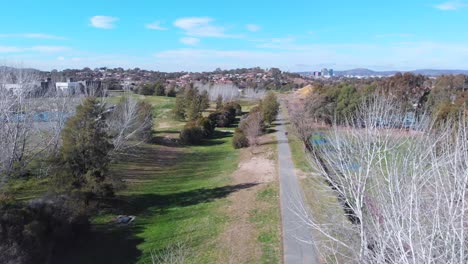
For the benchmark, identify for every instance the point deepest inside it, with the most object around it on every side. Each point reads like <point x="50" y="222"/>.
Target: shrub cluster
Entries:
<point x="157" y="89"/>
<point x="203" y="127"/>
<point x="30" y="232"/>
<point x="191" y="134"/>
<point x="225" y="116"/>
<point x="190" y="104"/>
<point x="250" y="127"/>
<point x="239" y="140"/>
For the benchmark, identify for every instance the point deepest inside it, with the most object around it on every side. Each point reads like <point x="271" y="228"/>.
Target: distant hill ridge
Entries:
<point x="367" y="72"/>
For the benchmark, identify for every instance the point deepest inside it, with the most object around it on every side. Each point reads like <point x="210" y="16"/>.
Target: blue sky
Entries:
<point x="203" y="35"/>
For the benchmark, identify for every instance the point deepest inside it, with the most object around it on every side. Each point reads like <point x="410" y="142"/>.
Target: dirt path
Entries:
<point x="240" y="238"/>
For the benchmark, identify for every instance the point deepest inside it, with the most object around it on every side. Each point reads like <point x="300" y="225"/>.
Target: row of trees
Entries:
<point x="158" y="89"/>
<point x="203" y="127"/>
<point x="190" y="104"/>
<point x="443" y="98"/>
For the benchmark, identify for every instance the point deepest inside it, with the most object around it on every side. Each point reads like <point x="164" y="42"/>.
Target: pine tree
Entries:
<point x="84" y="155"/>
<point x="205" y="100"/>
<point x="219" y="102"/>
<point x="179" y="107"/>
<point x="270" y="107"/>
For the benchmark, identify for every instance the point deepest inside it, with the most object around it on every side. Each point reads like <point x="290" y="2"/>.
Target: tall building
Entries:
<point x="324" y="72"/>
<point x="330" y="72"/>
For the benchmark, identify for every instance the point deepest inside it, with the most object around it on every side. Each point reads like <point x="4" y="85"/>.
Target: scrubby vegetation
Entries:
<point x="444" y="98"/>
<point x="254" y="123"/>
<point x="239" y="140"/>
<point x="31" y="232"/>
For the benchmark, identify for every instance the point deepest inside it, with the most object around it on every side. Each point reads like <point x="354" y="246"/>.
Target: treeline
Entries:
<point x="190" y="105"/>
<point x="444" y="97"/>
<point x="255" y="122"/>
<point x="157" y="88"/>
<point x="79" y="178"/>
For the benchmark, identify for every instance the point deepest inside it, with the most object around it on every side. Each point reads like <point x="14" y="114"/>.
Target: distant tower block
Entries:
<point x="325" y="72"/>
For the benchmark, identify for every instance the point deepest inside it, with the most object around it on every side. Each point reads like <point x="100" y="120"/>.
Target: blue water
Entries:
<point x="318" y="139"/>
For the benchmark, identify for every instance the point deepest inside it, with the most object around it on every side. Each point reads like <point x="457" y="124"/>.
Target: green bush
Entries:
<point x="235" y="106"/>
<point x="191" y="134"/>
<point x="146" y="89"/>
<point x="206" y="125"/>
<point x="270" y="107"/>
<point x="226" y="116"/>
<point x="30" y="232"/>
<point x="171" y="92"/>
<point x="159" y="89"/>
<point x="239" y="140"/>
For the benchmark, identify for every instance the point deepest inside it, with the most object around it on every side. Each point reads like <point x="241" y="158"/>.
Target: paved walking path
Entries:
<point x="294" y="230"/>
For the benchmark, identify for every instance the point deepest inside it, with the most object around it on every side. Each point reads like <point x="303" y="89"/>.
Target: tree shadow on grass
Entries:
<point x="216" y="138"/>
<point x="166" y="141"/>
<point x="166" y="132"/>
<point x="107" y="243"/>
<point x="104" y="244"/>
<point x="140" y="203"/>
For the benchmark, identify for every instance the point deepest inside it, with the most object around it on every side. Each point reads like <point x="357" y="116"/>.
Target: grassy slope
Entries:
<point x="175" y="194"/>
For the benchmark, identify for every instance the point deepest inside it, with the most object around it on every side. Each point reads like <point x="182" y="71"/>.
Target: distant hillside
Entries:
<point x="364" y="72"/>
<point x="367" y="72"/>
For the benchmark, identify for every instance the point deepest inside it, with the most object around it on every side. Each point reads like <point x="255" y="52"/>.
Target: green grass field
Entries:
<point x="177" y="194"/>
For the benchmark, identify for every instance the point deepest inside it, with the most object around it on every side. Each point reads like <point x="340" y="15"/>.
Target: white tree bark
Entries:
<point x="405" y="191"/>
<point x="30" y="122"/>
<point x="128" y="126"/>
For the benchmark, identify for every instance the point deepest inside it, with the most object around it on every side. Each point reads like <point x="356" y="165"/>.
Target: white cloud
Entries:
<point x="155" y="26"/>
<point x="60" y="58"/>
<point x="253" y="27"/>
<point x="394" y="56"/>
<point x="202" y="27"/>
<point x="106" y="22"/>
<point x="190" y="41"/>
<point x="49" y="49"/>
<point x="31" y="35"/>
<point x="450" y="6"/>
<point x="9" y="49"/>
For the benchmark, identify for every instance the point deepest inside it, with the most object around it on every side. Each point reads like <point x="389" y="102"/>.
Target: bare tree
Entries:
<point x="130" y="123"/>
<point x="302" y="121"/>
<point x="229" y="92"/>
<point x="16" y="121"/>
<point x="404" y="192"/>
<point x="252" y="127"/>
<point x="30" y="121"/>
